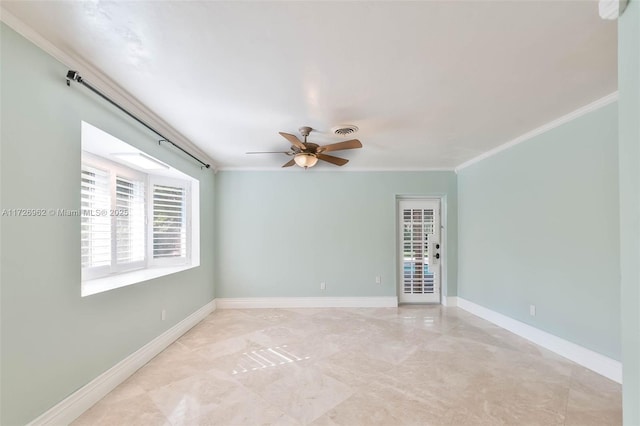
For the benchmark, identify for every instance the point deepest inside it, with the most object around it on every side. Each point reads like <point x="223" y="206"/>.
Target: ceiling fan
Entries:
<point x="306" y="154"/>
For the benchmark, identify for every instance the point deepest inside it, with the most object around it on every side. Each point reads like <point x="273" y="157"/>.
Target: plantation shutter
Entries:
<point x="129" y="221"/>
<point x="95" y="233"/>
<point x="418" y="224"/>
<point x="169" y="222"/>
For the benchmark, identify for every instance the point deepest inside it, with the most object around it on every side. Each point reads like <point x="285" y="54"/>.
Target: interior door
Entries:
<point x="419" y="251"/>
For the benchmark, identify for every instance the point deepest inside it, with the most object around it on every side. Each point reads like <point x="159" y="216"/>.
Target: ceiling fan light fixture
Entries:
<point x="306" y="154"/>
<point x="305" y="159"/>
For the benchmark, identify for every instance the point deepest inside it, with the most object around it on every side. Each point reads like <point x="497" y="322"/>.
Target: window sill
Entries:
<point x="100" y="285"/>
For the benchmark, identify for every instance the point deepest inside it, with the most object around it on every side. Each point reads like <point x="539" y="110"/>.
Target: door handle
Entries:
<point x="434" y="253"/>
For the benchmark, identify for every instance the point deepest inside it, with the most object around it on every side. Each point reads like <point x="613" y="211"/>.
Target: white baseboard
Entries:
<point x="307" y="302"/>
<point x="78" y="402"/>
<point x="594" y="361"/>
<point x="449" y="301"/>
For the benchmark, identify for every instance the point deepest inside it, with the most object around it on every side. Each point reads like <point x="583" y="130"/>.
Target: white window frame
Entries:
<point x="150" y="267"/>
<point x="99" y="271"/>
<point x="106" y="150"/>
<point x="127" y="173"/>
<point x="114" y="170"/>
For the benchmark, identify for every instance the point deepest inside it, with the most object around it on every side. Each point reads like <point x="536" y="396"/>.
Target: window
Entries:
<point x="169" y="221"/>
<point x="130" y="228"/>
<point x="96" y="230"/>
<point x="137" y="221"/>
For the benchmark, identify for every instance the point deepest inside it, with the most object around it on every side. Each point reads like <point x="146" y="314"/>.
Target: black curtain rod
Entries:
<point x="75" y="76"/>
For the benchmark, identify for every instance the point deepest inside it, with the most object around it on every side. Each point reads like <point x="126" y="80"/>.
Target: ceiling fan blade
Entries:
<point x="289" y="163"/>
<point x="333" y="160"/>
<point x="268" y="152"/>
<point x="293" y="139"/>
<point x="350" y="144"/>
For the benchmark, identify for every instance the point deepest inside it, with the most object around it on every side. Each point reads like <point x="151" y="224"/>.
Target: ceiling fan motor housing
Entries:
<point x="306" y="154"/>
<point x="305" y="130"/>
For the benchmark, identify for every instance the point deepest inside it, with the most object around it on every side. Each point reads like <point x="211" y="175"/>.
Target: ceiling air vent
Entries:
<point x="345" y="129"/>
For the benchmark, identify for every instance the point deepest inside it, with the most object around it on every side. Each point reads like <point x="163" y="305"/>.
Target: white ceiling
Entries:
<point x="430" y="84"/>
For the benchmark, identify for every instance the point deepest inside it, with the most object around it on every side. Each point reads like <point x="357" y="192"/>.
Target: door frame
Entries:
<point x="442" y="198"/>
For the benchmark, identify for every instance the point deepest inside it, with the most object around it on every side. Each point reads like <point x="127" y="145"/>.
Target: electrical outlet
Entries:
<point x="532" y="310"/>
<point x="378" y="280"/>
<point x="163" y="315"/>
<point x="323" y="285"/>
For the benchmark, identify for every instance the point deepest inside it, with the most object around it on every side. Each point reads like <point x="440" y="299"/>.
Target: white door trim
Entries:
<point x="441" y="199"/>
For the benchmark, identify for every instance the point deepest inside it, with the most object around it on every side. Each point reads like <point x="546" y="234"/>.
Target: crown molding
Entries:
<point x="341" y="170"/>
<point x="610" y="98"/>
<point x="103" y="82"/>
<point x="111" y="89"/>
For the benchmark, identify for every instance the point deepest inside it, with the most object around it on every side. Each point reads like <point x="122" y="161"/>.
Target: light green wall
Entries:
<point x="54" y="341"/>
<point x="282" y="233"/>
<point x="629" y="104"/>
<point x="538" y="224"/>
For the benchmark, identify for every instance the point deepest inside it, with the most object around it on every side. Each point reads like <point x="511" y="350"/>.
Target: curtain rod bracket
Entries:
<point x="75" y="76"/>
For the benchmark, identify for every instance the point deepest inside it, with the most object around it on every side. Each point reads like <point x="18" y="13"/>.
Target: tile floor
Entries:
<point x="414" y="365"/>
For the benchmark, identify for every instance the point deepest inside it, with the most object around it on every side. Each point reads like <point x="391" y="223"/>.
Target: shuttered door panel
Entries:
<point x="129" y="221"/>
<point x="417" y="225"/>
<point x="169" y="222"/>
<point x="95" y="233"/>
